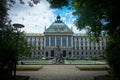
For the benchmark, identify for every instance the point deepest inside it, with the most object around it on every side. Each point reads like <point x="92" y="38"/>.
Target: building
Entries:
<point x="74" y="46"/>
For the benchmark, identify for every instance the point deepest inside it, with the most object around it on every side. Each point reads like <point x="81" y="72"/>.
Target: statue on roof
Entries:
<point x="58" y="17"/>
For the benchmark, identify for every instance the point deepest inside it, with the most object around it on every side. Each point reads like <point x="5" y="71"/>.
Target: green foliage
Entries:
<point x="94" y="58"/>
<point x="69" y="58"/>
<point x="7" y="46"/>
<point x="24" y="49"/>
<point x="28" y="67"/>
<point x="113" y="56"/>
<point x="92" y="13"/>
<point x="8" y="43"/>
<point x="105" y="77"/>
<point x="58" y="3"/>
<point x="93" y="67"/>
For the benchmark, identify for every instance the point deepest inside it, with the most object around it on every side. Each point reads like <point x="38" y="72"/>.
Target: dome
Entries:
<point x="58" y="26"/>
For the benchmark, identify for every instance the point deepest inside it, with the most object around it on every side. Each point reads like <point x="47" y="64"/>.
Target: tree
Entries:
<point x="58" y="3"/>
<point x="101" y="17"/>
<point x="24" y="49"/>
<point x="8" y="43"/>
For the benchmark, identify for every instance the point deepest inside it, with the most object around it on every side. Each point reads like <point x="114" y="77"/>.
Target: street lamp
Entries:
<point x="18" y="27"/>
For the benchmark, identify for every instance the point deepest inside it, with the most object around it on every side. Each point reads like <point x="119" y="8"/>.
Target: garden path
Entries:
<point x="61" y="72"/>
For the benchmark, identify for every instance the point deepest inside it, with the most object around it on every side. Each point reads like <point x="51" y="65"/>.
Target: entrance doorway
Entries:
<point x="52" y="53"/>
<point x="46" y="54"/>
<point x="64" y="53"/>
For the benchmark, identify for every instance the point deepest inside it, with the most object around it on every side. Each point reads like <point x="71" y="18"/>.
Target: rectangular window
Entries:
<point x="52" y="42"/>
<point x="47" y="41"/>
<point x="58" y="41"/>
<point x="69" y="41"/>
<point x="64" y="41"/>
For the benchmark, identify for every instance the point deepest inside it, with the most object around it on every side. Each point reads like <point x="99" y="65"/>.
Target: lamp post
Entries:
<point x="18" y="27"/>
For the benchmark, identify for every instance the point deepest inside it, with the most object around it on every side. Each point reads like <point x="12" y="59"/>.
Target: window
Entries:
<point x="69" y="41"/>
<point x="103" y="48"/>
<point x="81" y="39"/>
<point x="82" y="48"/>
<point x="102" y="43"/>
<point x="81" y="43"/>
<point x="58" y="41"/>
<point x="64" y="41"/>
<point x="39" y="48"/>
<point x="47" y="41"/>
<point x="90" y="53"/>
<point x="82" y="53"/>
<point x="52" y="53"/>
<point x="90" y="48"/>
<point x="94" y="48"/>
<point x="39" y="43"/>
<point x="52" y="42"/>
<point x="64" y="53"/>
<point x="98" y="48"/>
<point x="38" y="53"/>
<point x="86" y="48"/>
<point x="69" y="53"/>
<point x="46" y="54"/>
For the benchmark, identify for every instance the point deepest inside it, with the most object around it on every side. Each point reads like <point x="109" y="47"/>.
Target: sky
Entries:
<point x="36" y="18"/>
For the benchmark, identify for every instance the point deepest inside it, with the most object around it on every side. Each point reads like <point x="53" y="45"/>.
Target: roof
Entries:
<point x="33" y="34"/>
<point x="58" y="26"/>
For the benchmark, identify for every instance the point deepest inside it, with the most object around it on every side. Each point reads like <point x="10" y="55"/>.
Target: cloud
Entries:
<point x="38" y="17"/>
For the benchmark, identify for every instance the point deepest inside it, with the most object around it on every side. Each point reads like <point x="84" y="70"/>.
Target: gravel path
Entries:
<point x="61" y="72"/>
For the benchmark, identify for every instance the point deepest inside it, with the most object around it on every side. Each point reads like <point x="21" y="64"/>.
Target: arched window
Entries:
<point x="52" y="53"/>
<point x="64" y="53"/>
<point x="46" y="54"/>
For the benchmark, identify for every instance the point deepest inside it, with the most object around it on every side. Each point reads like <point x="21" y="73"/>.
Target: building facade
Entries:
<point x="74" y="46"/>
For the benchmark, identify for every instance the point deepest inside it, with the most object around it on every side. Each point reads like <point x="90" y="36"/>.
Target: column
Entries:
<point x="41" y="43"/>
<point x="79" y="43"/>
<point x="72" y="53"/>
<point x="44" y="42"/>
<point x="75" y="43"/>
<point x="49" y="41"/>
<point x="67" y="41"/>
<point x="37" y="43"/>
<point x="72" y="42"/>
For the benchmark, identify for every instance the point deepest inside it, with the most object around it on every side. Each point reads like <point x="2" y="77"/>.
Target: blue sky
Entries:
<point x="36" y="18"/>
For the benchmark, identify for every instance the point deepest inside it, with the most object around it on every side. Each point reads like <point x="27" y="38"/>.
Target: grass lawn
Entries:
<point x="22" y="77"/>
<point x="93" y="67"/>
<point x="105" y="77"/>
<point x="28" y="67"/>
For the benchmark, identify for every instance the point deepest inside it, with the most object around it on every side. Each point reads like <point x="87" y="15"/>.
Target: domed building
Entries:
<point x="73" y="46"/>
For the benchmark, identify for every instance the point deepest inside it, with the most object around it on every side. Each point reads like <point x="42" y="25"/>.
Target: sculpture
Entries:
<point x="59" y="57"/>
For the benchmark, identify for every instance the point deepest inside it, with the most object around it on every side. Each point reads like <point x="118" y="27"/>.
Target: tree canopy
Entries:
<point x="98" y="17"/>
<point x="8" y="48"/>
